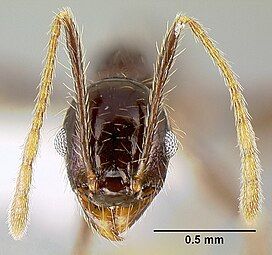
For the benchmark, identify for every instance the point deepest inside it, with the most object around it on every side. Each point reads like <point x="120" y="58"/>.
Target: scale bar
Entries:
<point x="205" y="230"/>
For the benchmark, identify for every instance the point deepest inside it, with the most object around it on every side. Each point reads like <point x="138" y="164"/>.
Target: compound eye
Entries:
<point x="171" y="144"/>
<point x="60" y="142"/>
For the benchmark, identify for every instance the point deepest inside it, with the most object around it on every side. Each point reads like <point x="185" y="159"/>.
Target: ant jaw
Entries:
<point x="112" y="221"/>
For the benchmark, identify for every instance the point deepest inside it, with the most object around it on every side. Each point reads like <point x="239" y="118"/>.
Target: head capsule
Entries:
<point x="117" y="109"/>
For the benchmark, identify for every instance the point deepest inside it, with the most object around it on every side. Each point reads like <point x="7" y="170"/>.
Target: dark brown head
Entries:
<point x="117" y="110"/>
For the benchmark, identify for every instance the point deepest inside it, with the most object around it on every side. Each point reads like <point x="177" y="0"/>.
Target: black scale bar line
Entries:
<point x="205" y="230"/>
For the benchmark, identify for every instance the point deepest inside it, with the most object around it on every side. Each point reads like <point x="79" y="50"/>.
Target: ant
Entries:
<point x="117" y="139"/>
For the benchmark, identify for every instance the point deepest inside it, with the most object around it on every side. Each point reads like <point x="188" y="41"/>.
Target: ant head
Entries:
<point x="117" y="109"/>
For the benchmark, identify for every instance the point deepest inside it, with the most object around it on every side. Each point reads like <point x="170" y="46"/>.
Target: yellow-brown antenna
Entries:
<point x="251" y="192"/>
<point x="18" y="213"/>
